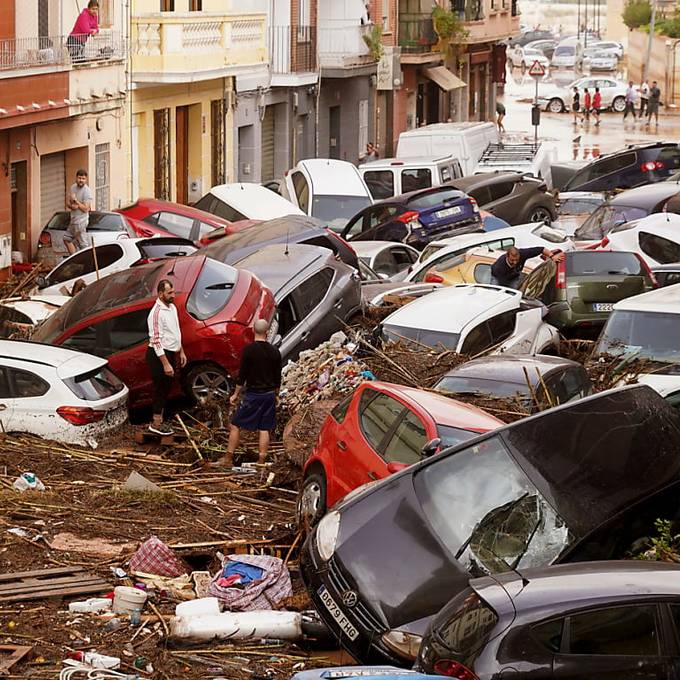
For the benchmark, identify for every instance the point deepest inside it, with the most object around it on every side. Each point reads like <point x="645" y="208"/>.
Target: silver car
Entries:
<point x="558" y="99"/>
<point x="597" y="60"/>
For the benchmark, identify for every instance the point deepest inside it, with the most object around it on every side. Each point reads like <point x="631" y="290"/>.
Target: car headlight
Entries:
<point x="327" y="535"/>
<point x="404" y="644"/>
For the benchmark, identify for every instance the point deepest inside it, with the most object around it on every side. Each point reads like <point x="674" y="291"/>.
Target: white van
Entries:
<point x="568" y="54"/>
<point x="390" y="177"/>
<point x="466" y="142"/>
<point x="328" y="189"/>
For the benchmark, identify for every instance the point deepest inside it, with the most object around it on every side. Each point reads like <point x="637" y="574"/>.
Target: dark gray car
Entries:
<point x="315" y="292"/>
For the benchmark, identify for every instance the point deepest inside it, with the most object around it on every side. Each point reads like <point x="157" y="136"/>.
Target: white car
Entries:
<point x="59" y="394"/>
<point x="558" y="99"/>
<point x="594" y="60"/>
<point x="656" y="238"/>
<point x="608" y="47"/>
<point x="386" y="258"/>
<point x="245" y="201"/>
<point x="568" y="54"/>
<point x="19" y="315"/>
<point x="91" y="264"/>
<point x="328" y="189"/>
<point x="473" y="318"/>
<point x="524" y="57"/>
<point x="443" y="254"/>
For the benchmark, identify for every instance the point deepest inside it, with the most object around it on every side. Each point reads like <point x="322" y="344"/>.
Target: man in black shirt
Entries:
<point x="507" y="269"/>
<point x="260" y="379"/>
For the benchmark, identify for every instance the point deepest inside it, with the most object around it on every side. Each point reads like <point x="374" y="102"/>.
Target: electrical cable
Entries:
<point x="90" y="673"/>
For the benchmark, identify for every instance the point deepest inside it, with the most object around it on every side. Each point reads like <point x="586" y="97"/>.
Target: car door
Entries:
<point x="317" y="321"/>
<point x="6" y="400"/>
<point x="394" y="259"/>
<point x="28" y="407"/>
<point x="355" y="226"/>
<point x="499" y="205"/>
<point x="607" y="90"/>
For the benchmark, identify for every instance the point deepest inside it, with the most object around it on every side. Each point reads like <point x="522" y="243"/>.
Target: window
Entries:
<point x="195" y="5"/>
<point x="355" y="227"/>
<point x="598" y="263"/>
<point x="421" y="336"/>
<point x="661" y="249"/>
<point x="412" y="180"/>
<point x="312" y="291"/>
<point x="406" y="444"/>
<point x="98" y="384"/>
<point x="549" y="634"/>
<point x="445" y="174"/>
<point x="499" y="190"/>
<point x="288" y="316"/>
<point x="204" y="229"/>
<point x="80" y="264"/>
<point x="5" y="389"/>
<point x="477" y="340"/>
<point x="363" y="126"/>
<point x="433" y="199"/>
<point x="379" y="215"/>
<point x="380" y="183"/>
<point x="378" y="414"/>
<point x="179" y="225"/>
<point x="469" y="629"/>
<point x="621" y="631"/>
<point x="25" y="384"/>
<point x="167" y="5"/>
<point x="224" y="210"/>
<point x="502" y="326"/>
<point x="105" y="14"/>
<point x="102" y="179"/>
<point x="301" y="190"/>
<point x="387" y="16"/>
<point x="605" y="219"/>
<point x="152" y="249"/>
<point x="339" y="412"/>
<point x="442" y="264"/>
<point x="212" y="290"/>
<point x="304" y="19"/>
<point x="536" y="283"/>
<point x="482" y="273"/>
<point x="668" y="278"/>
<point x="481" y="194"/>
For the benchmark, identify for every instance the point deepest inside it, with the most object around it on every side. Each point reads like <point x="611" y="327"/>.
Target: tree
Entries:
<point x="637" y="13"/>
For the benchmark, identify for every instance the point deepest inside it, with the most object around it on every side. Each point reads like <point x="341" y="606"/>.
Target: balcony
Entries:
<point x="292" y="55"/>
<point x="416" y="33"/>
<point x="342" y="47"/>
<point x="182" y="47"/>
<point x="487" y="20"/>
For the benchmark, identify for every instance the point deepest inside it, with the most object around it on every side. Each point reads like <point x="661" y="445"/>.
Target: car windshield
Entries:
<point x="642" y="335"/>
<point x="420" y="336"/>
<point x="212" y="290"/>
<point x="487" y="512"/>
<point x="336" y="211"/>
<point x="579" y="206"/>
<point x="458" y="384"/>
<point x="429" y="251"/>
<point x="605" y="218"/>
<point x="565" y="51"/>
<point x="603" y="263"/>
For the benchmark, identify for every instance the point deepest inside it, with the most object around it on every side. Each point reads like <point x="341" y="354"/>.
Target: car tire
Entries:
<point x="206" y="381"/>
<point x="619" y="104"/>
<point x="556" y="105"/>
<point x="538" y="213"/>
<point x="311" y="505"/>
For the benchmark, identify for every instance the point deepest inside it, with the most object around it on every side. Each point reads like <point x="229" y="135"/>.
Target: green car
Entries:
<point x="580" y="291"/>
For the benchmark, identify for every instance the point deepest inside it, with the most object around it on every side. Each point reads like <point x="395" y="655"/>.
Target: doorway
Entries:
<point x="19" y="207"/>
<point x="334" y="132"/>
<point x="182" y="153"/>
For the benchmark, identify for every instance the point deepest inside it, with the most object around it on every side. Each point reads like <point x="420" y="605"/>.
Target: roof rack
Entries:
<point x="505" y="153"/>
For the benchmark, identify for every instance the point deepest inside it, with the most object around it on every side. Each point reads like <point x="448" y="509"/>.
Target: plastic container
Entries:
<point x="203" y="606"/>
<point x="96" y="660"/>
<point x="236" y="626"/>
<point x="93" y="604"/>
<point x="28" y="482"/>
<point x="127" y="600"/>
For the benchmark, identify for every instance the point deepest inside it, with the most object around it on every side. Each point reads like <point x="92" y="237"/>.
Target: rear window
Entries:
<point x="605" y="219"/>
<point x="468" y="630"/>
<point x="155" y="249"/>
<point x="452" y="436"/>
<point x="497" y="388"/>
<point x="603" y="263"/>
<point x="95" y="385"/>
<point x="213" y="205"/>
<point x="336" y="211"/>
<point x="579" y="206"/>
<point x="421" y="336"/>
<point x="212" y="290"/>
<point x="434" y="198"/>
<point x="564" y="51"/>
<point x="670" y="157"/>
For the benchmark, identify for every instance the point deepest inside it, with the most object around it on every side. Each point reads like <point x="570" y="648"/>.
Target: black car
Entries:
<point x="416" y="218"/>
<point x="627" y="168"/>
<point x="512" y="196"/>
<point x="529" y="36"/>
<point x="578" y="482"/>
<point x="290" y="229"/>
<point x="567" y="622"/>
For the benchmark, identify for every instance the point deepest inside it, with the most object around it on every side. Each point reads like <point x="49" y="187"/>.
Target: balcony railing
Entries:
<point x="22" y="53"/>
<point x="342" y="45"/>
<point x="416" y="33"/>
<point x="292" y="49"/>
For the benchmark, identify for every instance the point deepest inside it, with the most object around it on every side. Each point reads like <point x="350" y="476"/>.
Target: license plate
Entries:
<point x="347" y="628"/>
<point x="456" y="210"/>
<point x="603" y="306"/>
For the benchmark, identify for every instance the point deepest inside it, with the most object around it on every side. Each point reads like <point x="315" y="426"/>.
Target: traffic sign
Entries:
<point x="537" y="69"/>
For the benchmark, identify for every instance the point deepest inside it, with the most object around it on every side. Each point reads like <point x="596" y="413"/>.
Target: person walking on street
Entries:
<point x="165" y="347"/>
<point x="644" y="97"/>
<point x="500" y="115"/>
<point x="576" y="105"/>
<point x="653" y="103"/>
<point x="79" y="202"/>
<point x="507" y="269"/>
<point x="586" y="104"/>
<point x="87" y="24"/>
<point x="630" y="101"/>
<point x="597" y="105"/>
<point x="259" y="379"/>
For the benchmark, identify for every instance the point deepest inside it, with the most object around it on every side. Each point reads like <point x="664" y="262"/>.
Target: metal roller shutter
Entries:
<point x="268" y="144"/>
<point x="52" y="185"/>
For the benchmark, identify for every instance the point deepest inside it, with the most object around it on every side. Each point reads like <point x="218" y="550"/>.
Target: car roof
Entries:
<point x="254" y="200"/>
<point x="67" y="361"/>
<point x="462" y="241"/>
<point x="463" y="302"/>
<point x="406" y="161"/>
<point x="646" y="195"/>
<point x="662" y="300"/>
<point x="663" y="224"/>
<point x="179" y="208"/>
<point x="511" y="368"/>
<point x="332" y="177"/>
<point x="466" y="183"/>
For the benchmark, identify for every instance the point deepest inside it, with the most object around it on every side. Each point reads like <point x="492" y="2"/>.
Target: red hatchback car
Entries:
<point x="217" y="307"/>
<point x="380" y="429"/>
<point x="150" y="217"/>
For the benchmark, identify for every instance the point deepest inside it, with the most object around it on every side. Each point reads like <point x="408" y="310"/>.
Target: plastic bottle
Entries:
<point x="28" y="481"/>
<point x="96" y="660"/>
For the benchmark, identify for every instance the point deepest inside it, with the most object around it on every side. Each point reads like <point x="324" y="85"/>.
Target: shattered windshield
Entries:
<point x="605" y="218"/>
<point x="501" y="520"/>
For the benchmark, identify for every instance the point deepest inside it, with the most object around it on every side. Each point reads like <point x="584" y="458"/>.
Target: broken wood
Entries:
<point x="44" y="583"/>
<point x="191" y="441"/>
<point x="10" y="655"/>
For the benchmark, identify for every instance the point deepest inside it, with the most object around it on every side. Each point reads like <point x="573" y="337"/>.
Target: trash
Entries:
<point x="201" y="580"/>
<point x="113" y="624"/>
<point x="237" y="626"/>
<point x="205" y="606"/>
<point x="96" y="660"/>
<point x="135" y="617"/>
<point x="179" y="588"/>
<point x="68" y="542"/>
<point x="28" y="482"/>
<point x="154" y="557"/>
<point x="118" y="572"/>
<point x="17" y="531"/>
<point x="127" y="600"/>
<point x="137" y="482"/>
<point x="91" y="605"/>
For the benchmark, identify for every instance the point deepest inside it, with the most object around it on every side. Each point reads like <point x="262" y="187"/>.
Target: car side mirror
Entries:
<point x="42" y="282"/>
<point x="395" y="467"/>
<point x="431" y="447"/>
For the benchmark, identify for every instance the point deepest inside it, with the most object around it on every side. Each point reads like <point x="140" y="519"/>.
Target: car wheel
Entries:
<point x="312" y="500"/>
<point x="619" y="104"/>
<point x="207" y="381"/>
<point x="538" y="213"/>
<point x="556" y="105"/>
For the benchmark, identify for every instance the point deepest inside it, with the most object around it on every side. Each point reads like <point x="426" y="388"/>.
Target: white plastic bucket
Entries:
<point x="204" y="606"/>
<point x="127" y="600"/>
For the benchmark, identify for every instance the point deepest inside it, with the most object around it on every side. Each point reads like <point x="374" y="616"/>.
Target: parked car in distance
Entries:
<point x="590" y="620"/>
<point x="582" y="289"/>
<point x="574" y="208"/>
<point x="376" y="431"/>
<point x="513" y="197"/>
<point x="386" y="258"/>
<point x="153" y="217"/>
<point x="245" y="201"/>
<point x="557" y="99"/>
<point x="596" y="60"/>
<point x="291" y="229"/>
<point x="390" y="177"/>
<point x="103" y="227"/>
<point x="527" y="37"/>
<point x="609" y="47"/>
<point x="478" y="318"/>
<point x="546" y="46"/>
<point x="19" y="315"/>
<point x="315" y="293"/>
<point x="534" y="381"/>
<point x="416" y="218"/>
<point x="525" y="57"/>
<point x="59" y="394"/>
<point x="91" y="264"/>
<point x="328" y="189"/>
<point x="667" y="274"/>
<point x="217" y="306"/>
<point x="502" y="501"/>
<point x="568" y="54"/>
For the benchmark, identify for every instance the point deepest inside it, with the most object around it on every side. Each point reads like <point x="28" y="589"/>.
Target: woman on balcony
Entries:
<point x="87" y="24"/>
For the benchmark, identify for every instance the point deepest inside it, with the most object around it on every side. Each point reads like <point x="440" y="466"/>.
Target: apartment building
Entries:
<point x="60" y="110"/>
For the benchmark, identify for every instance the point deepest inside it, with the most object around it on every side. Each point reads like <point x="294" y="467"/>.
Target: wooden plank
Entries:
<point x="94" y="588"/>
<point x="11" y="654"/>
<point x="40" y="572"/>
<point x="49" y="585"/>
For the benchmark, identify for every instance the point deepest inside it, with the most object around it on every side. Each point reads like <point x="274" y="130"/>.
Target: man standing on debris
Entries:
<point x="260" y="379"/>
<point x="79" y="202"/>
<point x="165" y="343"/>
<point x="507" y="269"/>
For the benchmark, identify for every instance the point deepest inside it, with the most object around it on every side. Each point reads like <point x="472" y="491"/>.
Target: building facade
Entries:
<point x="59" y="111"/>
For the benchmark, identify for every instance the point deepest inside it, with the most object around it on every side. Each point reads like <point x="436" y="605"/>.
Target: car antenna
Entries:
<point x="172" y="269"/>
<point x="286" y="251"/>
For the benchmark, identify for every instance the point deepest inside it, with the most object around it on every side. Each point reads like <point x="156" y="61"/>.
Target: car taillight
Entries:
<point x="143" y="260"/>
<point x="408" y="216"/>
<point x="45" y="239"/>
<point x="434" y="277"/>
<point x="77" y="415"/>
<point x="648" y="271"/>
<point x="475" y="205"/>
<point x="650" y="166"/>
<point x="561" y="275"/>
<point x="345" y="244"/>
<point x="454" y="669"/>
<point x="604" y="242"/>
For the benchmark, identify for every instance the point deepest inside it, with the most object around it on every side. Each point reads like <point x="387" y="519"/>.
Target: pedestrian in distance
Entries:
<point x="259" y="379"/>
<point x="653" y="103"/>
<point x="597" y="105"/>
<point x="165" y="348"/>
<point x="586" y="104"/>
<point x="79" y="202"/>
<point x="500" y="115"/>
<point x="507" y="269"/>
<point x="371" y="153"/>
<point x="644" y="97"/>
<point x="576" y="105"/>
<point x="630" y="101"/>
<point x="87" y="24"/>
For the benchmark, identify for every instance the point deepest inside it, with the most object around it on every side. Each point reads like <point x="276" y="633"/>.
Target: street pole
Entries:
<point x="536" y="106"/>
<point x="585" y="23"/>
<point x="649" y="41"/>
<point x="578" y="20"/>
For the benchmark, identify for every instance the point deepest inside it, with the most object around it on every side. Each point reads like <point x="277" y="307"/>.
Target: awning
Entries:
<point x="444" y="78"/>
